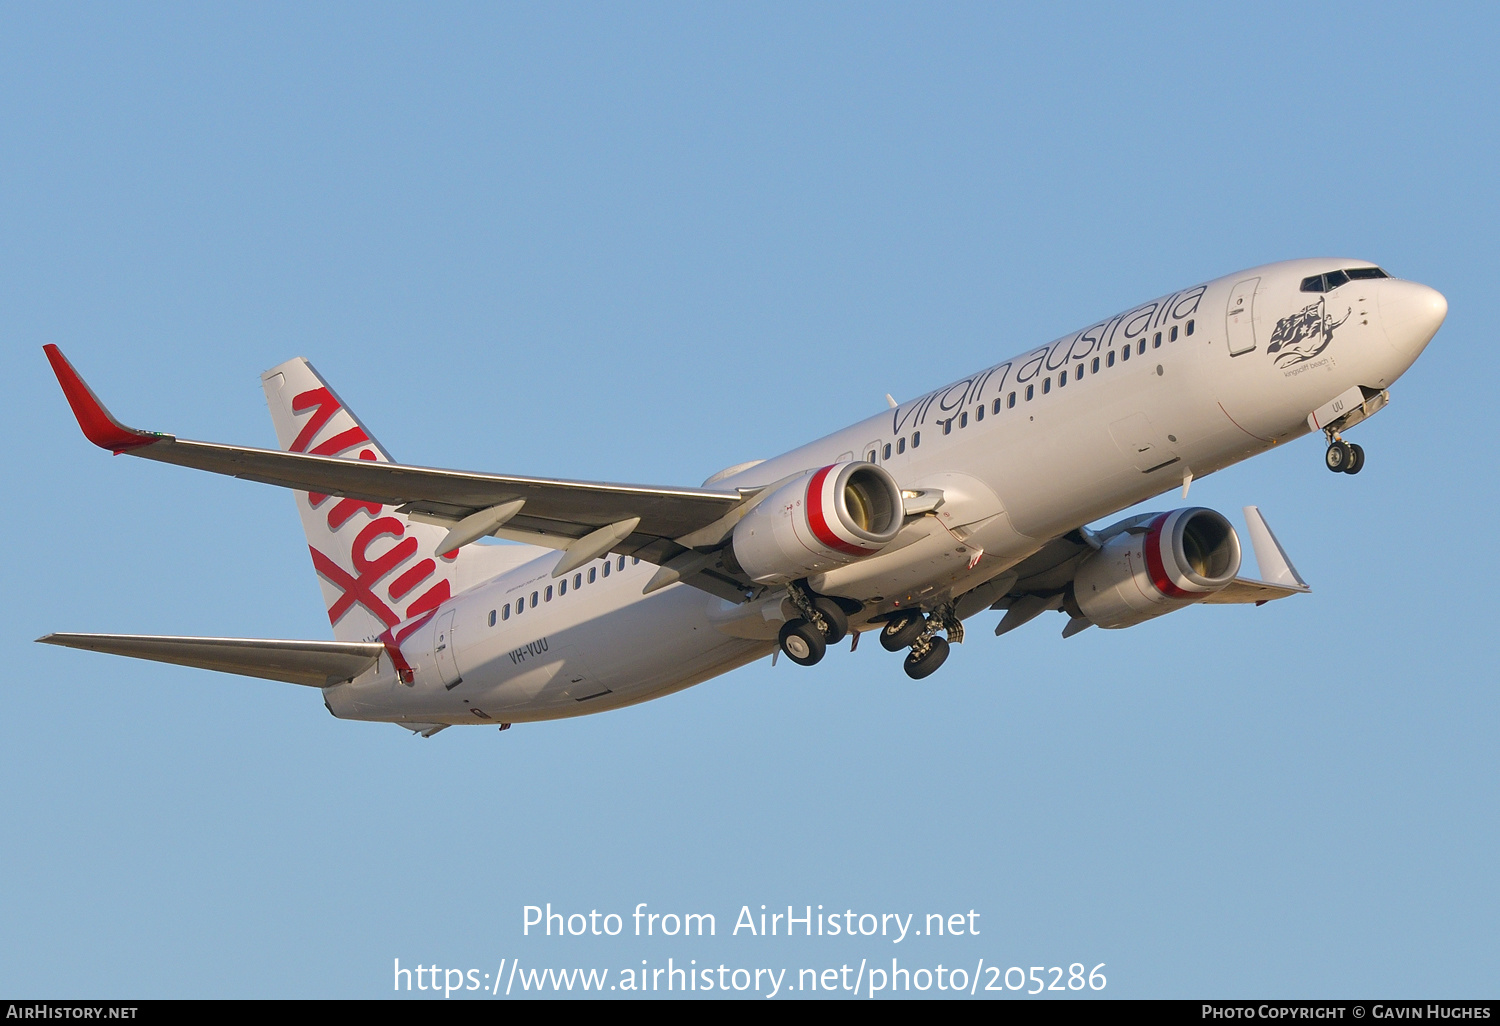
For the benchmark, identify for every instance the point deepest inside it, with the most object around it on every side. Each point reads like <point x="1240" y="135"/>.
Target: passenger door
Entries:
<point x="1240" y="317"/>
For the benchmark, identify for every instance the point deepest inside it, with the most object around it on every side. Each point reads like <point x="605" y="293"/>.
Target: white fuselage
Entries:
<point x="1023" y="452"/>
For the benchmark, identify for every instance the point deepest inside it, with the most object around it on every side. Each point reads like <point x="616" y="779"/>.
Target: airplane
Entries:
<point x="975" y="496"/>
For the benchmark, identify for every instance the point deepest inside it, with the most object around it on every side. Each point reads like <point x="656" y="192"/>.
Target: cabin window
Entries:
<point x="593" y="574"/>
<point x="1125" y="352"/>
<point x="872" y="457"/>
<point x="886" y="452"/>
<point x="1142" y="349"/>
<point x="948" y="426"/>
<point x="1030" y="391"/>
<point x="533" y="600"/>
<point x="492" y="618"/>
<point x="1095" y="367"/>
<point x="979" y="412"/>
<point x="1173" y="336"/>
<point x="916" y="439"/>
<point x="633" y="561"/>
<point x="1010" y="402"/>
<point x="505" y="612"/>
<point x="606" y="568"/>
<point x="547" y="595"/>
<point x="1046" y="385"/>
<point x="963" y="419"/>
<point x="577" y="581"/>
<point x="1189" y="328"/>
<point x="997" y="404"/>
<point x="1155" y="342"/>
<point x="562" y="588"/>
<point x="1111" y="361"/>
<point x="1062" y="379"/>
<point x="900" y="445"/>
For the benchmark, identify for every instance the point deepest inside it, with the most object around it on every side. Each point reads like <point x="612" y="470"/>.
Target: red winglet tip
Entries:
<point x="98" y="425"/>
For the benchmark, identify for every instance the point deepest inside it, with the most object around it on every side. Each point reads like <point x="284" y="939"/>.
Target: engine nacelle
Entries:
<point x="1162" y="562"/>
<point x="826" y="518"/>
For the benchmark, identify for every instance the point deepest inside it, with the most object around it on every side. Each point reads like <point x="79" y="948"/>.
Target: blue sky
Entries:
<point x="641" y="243"/>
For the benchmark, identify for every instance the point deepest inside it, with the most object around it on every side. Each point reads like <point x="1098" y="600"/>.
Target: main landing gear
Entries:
<point x="925" y="659"/>
<point x="1343" y="457"/>
<point x="823" y="621"/>
<point x="920" y="633"/>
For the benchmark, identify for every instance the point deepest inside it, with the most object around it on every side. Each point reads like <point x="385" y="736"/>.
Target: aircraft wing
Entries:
<point x="554" y="513"/>
<point x="1245" y="590"/>
<point x="1039" y="583"/>
<point x="317" y="664"/>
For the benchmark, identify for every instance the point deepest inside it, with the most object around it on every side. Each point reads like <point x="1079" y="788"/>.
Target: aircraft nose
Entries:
<point x="1411" y="314"/>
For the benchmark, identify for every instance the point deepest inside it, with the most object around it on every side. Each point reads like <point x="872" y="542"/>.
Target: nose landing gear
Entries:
<point x="1343" y="457"/>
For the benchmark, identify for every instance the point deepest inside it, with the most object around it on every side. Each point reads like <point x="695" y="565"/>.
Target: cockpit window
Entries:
<point x="1333" y="279"/>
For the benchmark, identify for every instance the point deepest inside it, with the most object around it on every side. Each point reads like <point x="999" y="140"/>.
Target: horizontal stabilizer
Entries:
<point x="318" y="664"/>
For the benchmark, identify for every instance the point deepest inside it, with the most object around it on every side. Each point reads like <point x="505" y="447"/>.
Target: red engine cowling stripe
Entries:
<point x="1154" y="564"/>
<point x="819" y="522"/>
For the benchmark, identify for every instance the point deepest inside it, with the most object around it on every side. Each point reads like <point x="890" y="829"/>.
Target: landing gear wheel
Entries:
<point x="899" y="633"/>
<point x="802" y="642"/>
<point x="833" y="614"/>
<point x="928" y="663"/>
<point x="1356" y="459"/>
<point x="1338" y="457"/>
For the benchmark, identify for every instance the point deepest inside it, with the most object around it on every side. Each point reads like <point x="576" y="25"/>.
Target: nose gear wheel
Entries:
<point x="1343" y="457"/>
<point x="1338" y="457"/>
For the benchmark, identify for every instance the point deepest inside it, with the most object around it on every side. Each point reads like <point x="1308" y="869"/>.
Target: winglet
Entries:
<point x="1275" y="567"/>
<point x="98" y="425"/>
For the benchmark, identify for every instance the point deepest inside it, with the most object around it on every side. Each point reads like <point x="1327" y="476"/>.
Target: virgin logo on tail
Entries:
<point x="366" y="585"/>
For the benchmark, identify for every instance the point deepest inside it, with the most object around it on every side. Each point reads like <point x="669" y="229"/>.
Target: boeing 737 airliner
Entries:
<point x="974" y="496"/>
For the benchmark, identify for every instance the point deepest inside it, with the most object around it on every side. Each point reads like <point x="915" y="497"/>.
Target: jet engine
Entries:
<point x="1156" y="564"/>
<point x="823" y="519"/>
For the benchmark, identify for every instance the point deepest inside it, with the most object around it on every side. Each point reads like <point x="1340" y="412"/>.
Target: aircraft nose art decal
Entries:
<point x="1303" y="335"/>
